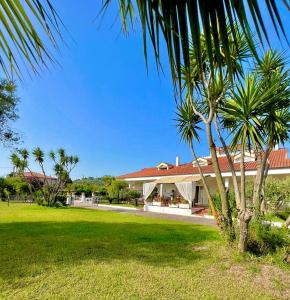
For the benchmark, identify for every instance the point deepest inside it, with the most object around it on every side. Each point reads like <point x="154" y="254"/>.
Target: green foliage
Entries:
<point x="231" y="200"/>
<point x="79" y="188"/>
<point x="217" y="202"/>
<point x="180" y="23"/>
<point x="283" y="214"/>
<point x="249" y="189"/>
<point x="116" y="188"/>
<point x="39" y="198"/>
<point x="62" y="165"/>
<point x="133" y="194"/>
<point x="27" y="27"/>
<point x="14" y="185"/>
<point x="264" y="238"/>
<point x="105" y="180"/>
<point x="58" y="204"/>
<point x="277" y="193"/>
<point x="8" y="112"/>
<point x="61" y="200"/>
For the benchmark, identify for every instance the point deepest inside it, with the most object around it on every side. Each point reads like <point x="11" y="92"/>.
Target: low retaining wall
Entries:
<point x="168" y="210"/>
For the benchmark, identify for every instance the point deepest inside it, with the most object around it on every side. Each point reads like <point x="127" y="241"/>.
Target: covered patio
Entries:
<point x="177" y="195"/>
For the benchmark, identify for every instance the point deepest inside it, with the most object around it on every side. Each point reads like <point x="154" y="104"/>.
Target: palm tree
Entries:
<point x="180" y="22"/>
<point x="242" y="114"/>
<point x="207" y="90"/>
<point x="188" y="124"/>
<point x="275" y="122"/>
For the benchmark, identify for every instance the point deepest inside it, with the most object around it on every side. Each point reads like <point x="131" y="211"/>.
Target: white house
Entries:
<point x="177" y="188"/>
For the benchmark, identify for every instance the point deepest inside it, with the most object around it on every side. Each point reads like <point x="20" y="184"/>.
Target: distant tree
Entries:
<point x="63" y="165"/>
<point x="133" y="195"/>
<point x="107" y="180"/>
<point x="17" y="186"/>
<point x="8" y="114"/>
<point x="115" y="189"/>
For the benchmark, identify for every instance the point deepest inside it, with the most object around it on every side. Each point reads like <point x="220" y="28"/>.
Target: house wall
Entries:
<point x="202" y="199"/>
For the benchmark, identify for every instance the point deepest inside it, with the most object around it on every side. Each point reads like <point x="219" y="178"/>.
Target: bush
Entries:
<point x="58" y="204"/>
<point x="218" y="204"/>
<point x="39" y="199"/>
<point x="283" y="214"/>
<point x="264" y="238"/>
<point x="277" y="193"/>
<point x="133" y="194"/>
<point x="61" y="199"/>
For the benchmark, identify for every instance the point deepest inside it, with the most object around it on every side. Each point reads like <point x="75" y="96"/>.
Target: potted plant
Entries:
<point x="183" y="203"/>
<point x="174" y="203"/>
<point x="157" y="201"/>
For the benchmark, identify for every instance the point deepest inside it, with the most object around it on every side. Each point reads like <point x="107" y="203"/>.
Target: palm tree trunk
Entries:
<point x="231" y="165"/>
<point x="244" y="215"/>
<point x="205" y="185"/>
<point x="227" y="220"/>
<point x="287" y="222"/>
<point x="261" y="168"/>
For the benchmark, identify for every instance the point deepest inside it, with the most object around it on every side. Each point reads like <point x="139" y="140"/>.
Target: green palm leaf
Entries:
<point x="181" y="21"/>
<point x="26" y="29"/>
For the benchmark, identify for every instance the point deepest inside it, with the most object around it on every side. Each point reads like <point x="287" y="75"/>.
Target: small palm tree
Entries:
<point x="188" y="124"/>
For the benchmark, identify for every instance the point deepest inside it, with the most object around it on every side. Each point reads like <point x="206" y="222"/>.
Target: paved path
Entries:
<point x="190" y="219"/>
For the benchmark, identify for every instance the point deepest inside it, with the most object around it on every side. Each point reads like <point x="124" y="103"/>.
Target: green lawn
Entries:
<point x="48" y="253"/>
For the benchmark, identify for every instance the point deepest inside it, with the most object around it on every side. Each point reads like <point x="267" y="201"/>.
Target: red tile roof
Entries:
<point x="278" y="159"/>
<point x="35" y="175"/>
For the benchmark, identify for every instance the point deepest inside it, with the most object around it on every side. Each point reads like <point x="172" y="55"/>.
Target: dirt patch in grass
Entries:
<point x="275" y="281"/>
<point x="270" y="279"/>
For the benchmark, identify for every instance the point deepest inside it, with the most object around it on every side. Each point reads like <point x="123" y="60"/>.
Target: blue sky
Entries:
<point x="100" y="103"/>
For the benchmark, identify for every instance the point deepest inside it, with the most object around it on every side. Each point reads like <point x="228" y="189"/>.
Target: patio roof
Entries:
<point x="175" y="179"/>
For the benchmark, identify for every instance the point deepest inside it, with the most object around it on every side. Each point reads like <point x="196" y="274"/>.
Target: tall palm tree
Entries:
<point x="207" y="89"/>
<point x="181" y="21"/>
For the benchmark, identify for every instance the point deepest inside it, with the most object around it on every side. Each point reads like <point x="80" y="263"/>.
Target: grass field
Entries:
<point x="48" y="253"/>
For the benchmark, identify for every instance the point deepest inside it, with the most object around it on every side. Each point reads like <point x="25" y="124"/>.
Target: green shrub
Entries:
<point x="58" y="204"/>
<point x="283" y="214"/>
<point x="61" y="199"/>
<point x="264" y="238"/>
<point x="39" y="199"/>
<point x="277" y="193"/>
<point x="218" y="204"/>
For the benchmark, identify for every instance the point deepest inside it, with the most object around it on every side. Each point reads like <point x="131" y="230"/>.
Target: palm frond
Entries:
<point x="188" y="123"/>
<point x="27" y="27"/>
<point x="182" y="21"/>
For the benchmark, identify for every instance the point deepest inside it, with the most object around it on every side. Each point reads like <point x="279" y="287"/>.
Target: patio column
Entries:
<point x="93" y="197"/>
<point x="68" y="198"/>
<point x="227" y="183"/>
<point x="73" y="197"/>
<point x="83" y="197"/>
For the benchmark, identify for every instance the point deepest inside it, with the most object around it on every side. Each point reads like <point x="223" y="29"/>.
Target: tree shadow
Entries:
<point x="26" y="244"/>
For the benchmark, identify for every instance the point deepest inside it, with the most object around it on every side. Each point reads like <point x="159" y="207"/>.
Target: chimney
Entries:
<point x="177" y="161"/>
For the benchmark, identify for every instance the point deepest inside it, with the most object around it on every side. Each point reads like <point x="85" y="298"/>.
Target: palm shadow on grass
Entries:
<point x="47" y="244"/>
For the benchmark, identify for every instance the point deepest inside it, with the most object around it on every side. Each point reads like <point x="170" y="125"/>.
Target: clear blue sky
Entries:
<point x="100" y="103"/>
